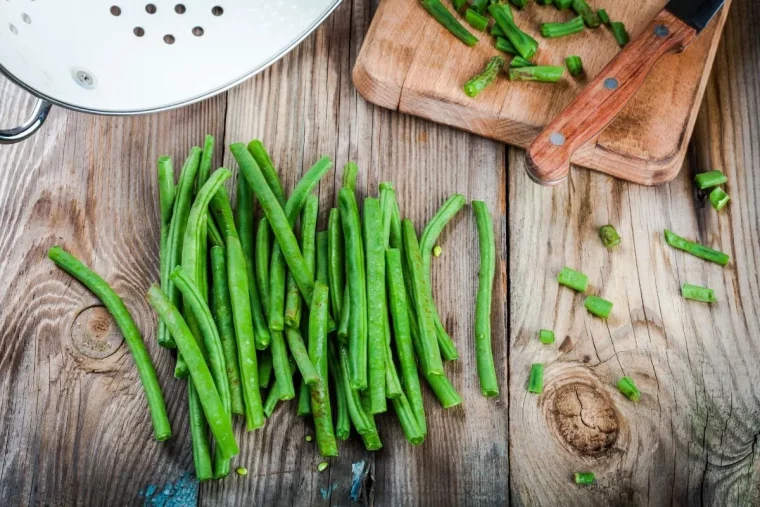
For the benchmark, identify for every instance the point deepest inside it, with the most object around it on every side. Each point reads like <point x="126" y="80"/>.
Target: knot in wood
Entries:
<point x="95" y="334"/>
<point x="584" y="419"/>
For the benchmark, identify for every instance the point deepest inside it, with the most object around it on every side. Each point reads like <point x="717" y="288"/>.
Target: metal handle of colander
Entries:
<point x="30" y="126"/>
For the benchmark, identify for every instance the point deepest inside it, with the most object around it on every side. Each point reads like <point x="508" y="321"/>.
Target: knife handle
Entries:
<point x="548" y="158"/>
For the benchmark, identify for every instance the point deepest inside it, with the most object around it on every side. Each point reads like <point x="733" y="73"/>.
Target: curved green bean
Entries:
<point x="301" y="356"/>
<point x="293" y="301"/>
<point x="261" y="261"/>
<point x="400" y="313"/>
<point x="214" y="236"/>
<point x="245" y="231"/>
<point x="220" y="424"/>
<point x="375" y="276"/>
<point x="431" y="360"/>
<point x="258" y="151"/>
<point x="489" y="383"/>
<point x="357" y="328"/>
<point x="115" y="306"/>
<point x="226" y="326"/>
<point x="336" y="268"/>
<point x="320" y="393"/>
<point x="182" y="203"/>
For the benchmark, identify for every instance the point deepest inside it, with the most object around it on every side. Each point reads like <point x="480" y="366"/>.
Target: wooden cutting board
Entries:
<point x="409" y="63"/>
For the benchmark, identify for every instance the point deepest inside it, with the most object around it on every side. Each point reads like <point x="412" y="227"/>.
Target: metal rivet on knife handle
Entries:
<point x="661" y="31"/>
<point x="557" y="139"/>
<point x="611" y="83"/>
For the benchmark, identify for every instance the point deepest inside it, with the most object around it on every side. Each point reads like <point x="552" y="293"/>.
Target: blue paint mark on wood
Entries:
<point x="359" y="471"/>
<point x="327" y="492"/>
<point x="180" y="493"/>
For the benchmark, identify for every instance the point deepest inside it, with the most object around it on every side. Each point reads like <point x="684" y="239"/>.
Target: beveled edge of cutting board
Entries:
<point x="386" y="89"/>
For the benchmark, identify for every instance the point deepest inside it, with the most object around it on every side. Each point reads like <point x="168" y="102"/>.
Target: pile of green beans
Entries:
<point x="346" y="313"/>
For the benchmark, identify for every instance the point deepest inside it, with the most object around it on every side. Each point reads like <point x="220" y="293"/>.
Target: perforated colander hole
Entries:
<point x="198" y="31"/>
<point x="13" y="28"/>
<point x="180" y="9"/>
<point x="217" y="11"/>
<point x="138" y="31"/>
<point x="116" y="10"/>
<point x="25" y="18"/>
<point x="169" y="39"/>
<point x="150" y="9"/>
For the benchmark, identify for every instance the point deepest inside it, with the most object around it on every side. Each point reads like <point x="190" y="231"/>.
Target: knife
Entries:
<point x="672" y="30"/>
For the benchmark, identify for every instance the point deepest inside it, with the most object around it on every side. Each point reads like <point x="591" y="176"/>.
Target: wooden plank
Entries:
<point x="305" y="107"/>
<point x="412" y="64"/>
<point x="692" y="439"/>
<point x="76" y="430"/>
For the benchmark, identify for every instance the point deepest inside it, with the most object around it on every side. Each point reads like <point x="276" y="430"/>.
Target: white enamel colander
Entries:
<point x="124" y="57"/>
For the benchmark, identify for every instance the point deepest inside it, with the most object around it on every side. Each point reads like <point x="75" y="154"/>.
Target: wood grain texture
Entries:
<point x="412" y="64"/>
<point x="548" y="161"/>
<point x="693" y="438"/>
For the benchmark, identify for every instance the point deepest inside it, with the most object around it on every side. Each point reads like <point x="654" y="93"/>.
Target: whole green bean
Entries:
<point x="372" y="437"/>
<point x="387" y="202"/>
<point x="280" y="365"/>
<point x="408" y="421"/>
<point x="214" y="236"/>
<point x="201" y="443"/>
<point x="428" y="339"/>
<point x="166" y="193"/>
<point x="322" y="259"/>
<point x="275" y="394"/>
<point x="115" y="306"/>
<point x="182" y="203"/>
<point x="489" y="383"/>
<point x="263" y="248"/>
<point x="400" y="313"/>
<point x="180" y="368"/>
<point x="320" y="393"/>
<point x="375" y="276"/>
<point x="355" y="410"/>
<point x="265" y="368"/>
<point x="245" y="231"/>
<point x="224" y="323"/>
<point x="393" y="387"/>
<point x="342" y="419"/>
<point x="278" y="218"/>
<point x="357" y="328"/>
<point x="304" y="400"/>
<point x="258" y="151"/>
<point x="429" y="237"/>
<point x="204" y="170"/>
<point x="293" y="301"/>
<point x="345" y="318"/>
<point x="336" y="264"/>
<point x="220" y="424"/>
<point x="301" y="356"/>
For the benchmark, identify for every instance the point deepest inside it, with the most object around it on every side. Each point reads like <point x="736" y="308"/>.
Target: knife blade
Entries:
<point x="672" y="30"/>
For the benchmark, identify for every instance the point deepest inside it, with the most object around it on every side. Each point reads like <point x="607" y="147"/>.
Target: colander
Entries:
<point x="125" y="57"/>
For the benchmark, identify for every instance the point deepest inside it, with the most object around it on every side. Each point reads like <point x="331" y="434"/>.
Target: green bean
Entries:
<point x="301" y="356"/>
<point x="598" y="306"/>
<point x="280" y="365"/>
<point x="336" y="264"/>
<point x="350" y="173"/>
<point x="710" y="179"/>
<point x="304" y="400"/>
<point x="224" y="323"/>
<point x="245" y="230"/>
<point x="523" y="43"/>
<point x="265" y="368"/>
<point x="278" y="219"/>
<point x="115" y="306"/>
<point x="355" y="410"/>
<point x="372" y="437"/>
<point x="432" y="355"/>
<point x="441" y="14"/>
<point x="541" y="73"/>
<point x="701" y="251"/>
<point x="258" y="151"/>
<point x="192" y="296"/>
<point x="220" y="424"/>
<point x="480" y="81"/>
<point x="180" y="368"/>
<point x="275" y="394"/>
<point x="204" y="170"/>
<point x="590" y="17"/>
<point x="214" y="236"/>
<point x="393" y="387"/>
<point x="719" y="198"/>
<point x="574" y="65"/>
<point x="400" y="313"/>
<point x="320" y="393"/>
<point x="489" y="383"/>
<point x="322" y="260"/>
<point x="166" y="193"/>
<point x="357" y="330"/>
<point x="345" y="318"/>
<point x="562" y="29"/>
<point x="620" y="33"/>
<point x="375" y="276"/>
<point x="429" y="237"/>
<point x="503" y="44"/>
<point x="603" y="16"/>
<point x="263" y="248"/>
<point x="293" y="301"/>
<point x="408" y="421"/>
<point x="201" y="443"/>
<point x="182" y="203"/>
<point x="387" y="203"/>
<point x="343" y="420"/>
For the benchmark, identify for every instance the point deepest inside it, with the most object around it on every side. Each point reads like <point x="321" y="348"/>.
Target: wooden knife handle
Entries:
<point x="548" y="158"/>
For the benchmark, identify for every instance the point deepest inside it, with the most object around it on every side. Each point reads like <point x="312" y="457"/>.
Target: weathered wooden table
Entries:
<point x="74" y="429"/>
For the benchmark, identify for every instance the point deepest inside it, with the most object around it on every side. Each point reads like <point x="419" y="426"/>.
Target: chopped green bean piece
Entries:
<point x="618" y="30"/>
<point x="574" y="65"/>
<point x="241" y="471"/>
<point x="437" y="251"/>
<point x="322" y="466"/>
<point x="573" y="279"/>
<point x="629" y="389"/>
<point x="524" y="43"/>
<point x="448" y="21"/>
<point x="497" y="32"/>
<point x="520" y="4"/>
<point x="697" y="293"/>
<point x="458" y="4"/>
<point x="719" y="199"/>
<point x="546" y="336"/>
<point x="598" y="306"/>
<point x="540" y="73"/>
<point x="555" y="30"/>
<point x="479" y="82"/>
<point x="518" y="62"/>
<point x="563" y="4"/>
<point x="584" y="478"/>
<point x="701" y="251"/>
<point x="479" y="6"/>
<point x="504" y="45"/>
<point x="609" y="236"/>
<point x="536" y="381"/>
<point x="475" y="20"/>
<point x="309" y="438"/>
<point x="603" y="16"/>
<point x="587" y="13"/>
<point x="710" y="179"/>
